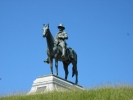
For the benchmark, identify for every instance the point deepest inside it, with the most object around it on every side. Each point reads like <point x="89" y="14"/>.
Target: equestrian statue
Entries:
<point x="58" y="49"/>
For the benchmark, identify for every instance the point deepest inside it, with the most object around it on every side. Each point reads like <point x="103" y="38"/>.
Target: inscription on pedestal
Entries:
<point x="41" y="89"/>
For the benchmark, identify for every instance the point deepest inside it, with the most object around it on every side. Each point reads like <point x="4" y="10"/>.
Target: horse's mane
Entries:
<point x="50" y="40"/>
<point x="51" y="35"/>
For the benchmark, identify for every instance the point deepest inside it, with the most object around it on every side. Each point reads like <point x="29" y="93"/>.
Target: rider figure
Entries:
<point x="60" y="39"/>
<point x="61" y="36"/>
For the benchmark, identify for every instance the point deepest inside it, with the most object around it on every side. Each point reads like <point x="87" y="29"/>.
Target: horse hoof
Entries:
<point x="46" y="61"/>
<point x="76" y="83"/>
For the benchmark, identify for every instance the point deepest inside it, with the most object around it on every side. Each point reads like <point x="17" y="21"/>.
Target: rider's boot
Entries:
<point x="63" y="53"/>
<point x="46" y="60"/>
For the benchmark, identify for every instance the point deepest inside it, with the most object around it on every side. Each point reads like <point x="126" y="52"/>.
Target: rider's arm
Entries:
<point x="60" y="36"/>
<point x="65" y="35"/>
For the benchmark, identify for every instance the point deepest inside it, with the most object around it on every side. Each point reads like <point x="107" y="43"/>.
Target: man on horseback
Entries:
<point x="60" y="38"/>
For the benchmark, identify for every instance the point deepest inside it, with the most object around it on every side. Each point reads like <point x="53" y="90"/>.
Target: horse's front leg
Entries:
<point x="51" y="64"/>
<point x="56" y="52"/>
<point x="56" y="65"/>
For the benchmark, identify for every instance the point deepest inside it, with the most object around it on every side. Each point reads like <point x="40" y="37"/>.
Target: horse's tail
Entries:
<point x="74" y="63"/>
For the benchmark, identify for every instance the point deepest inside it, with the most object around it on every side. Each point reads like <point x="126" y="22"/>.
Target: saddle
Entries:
<point x="69" y="52"/>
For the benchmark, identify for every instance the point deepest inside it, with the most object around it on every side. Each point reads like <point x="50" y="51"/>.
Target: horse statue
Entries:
<point x="55" y="51"/>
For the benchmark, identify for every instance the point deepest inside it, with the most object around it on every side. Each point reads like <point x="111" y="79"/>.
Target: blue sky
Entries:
<point x="100" y="31"/>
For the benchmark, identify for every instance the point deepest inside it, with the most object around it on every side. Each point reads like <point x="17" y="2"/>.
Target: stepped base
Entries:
<point x="52" y="82"/>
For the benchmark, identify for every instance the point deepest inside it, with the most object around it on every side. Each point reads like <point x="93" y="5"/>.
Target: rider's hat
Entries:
<point x="61" y="26"/>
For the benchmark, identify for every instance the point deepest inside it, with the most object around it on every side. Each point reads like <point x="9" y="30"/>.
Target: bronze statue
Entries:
<point x="58" y="49"/>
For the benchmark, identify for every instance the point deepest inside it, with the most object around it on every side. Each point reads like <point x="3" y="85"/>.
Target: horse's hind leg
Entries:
<point x="75" y="71"/>
<point x="65" y="65"/>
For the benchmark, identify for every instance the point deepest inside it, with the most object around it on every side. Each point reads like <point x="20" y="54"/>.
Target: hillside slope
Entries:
<point x="105" y="93"/>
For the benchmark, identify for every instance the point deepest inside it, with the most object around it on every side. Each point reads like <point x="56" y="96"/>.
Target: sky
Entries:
<point x="100" y="31"/>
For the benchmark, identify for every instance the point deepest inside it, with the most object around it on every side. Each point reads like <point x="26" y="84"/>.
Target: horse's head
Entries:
<point x="45" y="30"/>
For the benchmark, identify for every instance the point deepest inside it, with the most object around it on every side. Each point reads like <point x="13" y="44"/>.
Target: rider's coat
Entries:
<point x="61" y="36"/>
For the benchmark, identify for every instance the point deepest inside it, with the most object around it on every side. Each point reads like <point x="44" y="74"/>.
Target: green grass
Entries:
<point x="102" y="93"/>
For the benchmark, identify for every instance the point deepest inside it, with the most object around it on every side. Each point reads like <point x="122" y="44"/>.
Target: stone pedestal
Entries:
<point x="51" y="82"/>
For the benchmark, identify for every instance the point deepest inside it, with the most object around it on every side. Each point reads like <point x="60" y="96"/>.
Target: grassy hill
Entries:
<point x="103" y="93"/>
